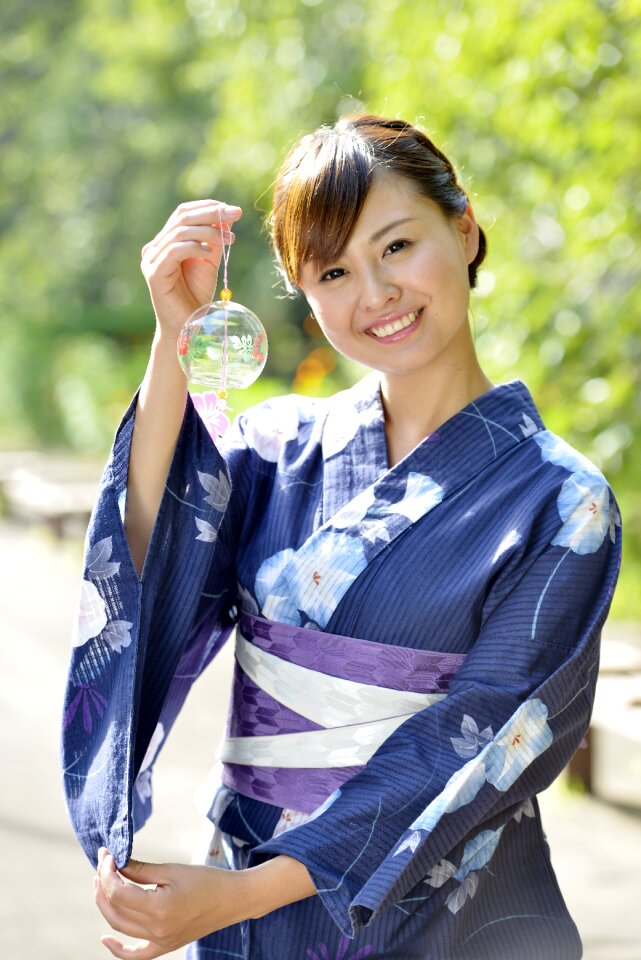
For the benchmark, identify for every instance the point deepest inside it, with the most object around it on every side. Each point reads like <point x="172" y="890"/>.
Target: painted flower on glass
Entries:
<point x="270" y="427"/>
<point x="524" y="737"/>
<point x="92" y="614"/>
<point x="211" y="410"/>
<point x="322" y="951"/>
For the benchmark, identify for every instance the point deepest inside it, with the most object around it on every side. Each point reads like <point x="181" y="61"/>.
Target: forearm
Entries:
<point x="159" y="414"/>
<point x="276" y="883"/>
<point x="190" y="902"/>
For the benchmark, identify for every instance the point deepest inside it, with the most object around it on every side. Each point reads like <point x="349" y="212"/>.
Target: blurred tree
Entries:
<point x="112" y="112"/>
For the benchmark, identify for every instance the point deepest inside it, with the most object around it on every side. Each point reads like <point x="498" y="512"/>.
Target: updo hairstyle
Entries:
<point x="323" y="182"/>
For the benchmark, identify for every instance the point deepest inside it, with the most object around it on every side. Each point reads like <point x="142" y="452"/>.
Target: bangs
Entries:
<point x="323" y="186"/>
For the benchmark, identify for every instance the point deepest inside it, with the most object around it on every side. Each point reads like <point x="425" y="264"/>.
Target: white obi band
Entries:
<point x="356" y="717"/>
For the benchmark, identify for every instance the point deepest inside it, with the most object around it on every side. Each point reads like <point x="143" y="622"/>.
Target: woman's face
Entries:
<point x="397" y="298"/>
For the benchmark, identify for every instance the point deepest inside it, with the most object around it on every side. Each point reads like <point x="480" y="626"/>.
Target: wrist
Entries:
<point x="276" y="883"/>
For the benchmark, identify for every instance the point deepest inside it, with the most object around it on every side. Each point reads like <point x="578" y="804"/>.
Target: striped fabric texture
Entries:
<point x="493" y="543"/>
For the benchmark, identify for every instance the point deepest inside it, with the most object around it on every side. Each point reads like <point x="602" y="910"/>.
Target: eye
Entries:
<point x="396" y="246"/>
<point x="332" y="274"/>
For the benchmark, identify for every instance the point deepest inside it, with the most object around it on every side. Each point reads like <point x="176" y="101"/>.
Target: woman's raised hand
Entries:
<point x="181" y="263"/>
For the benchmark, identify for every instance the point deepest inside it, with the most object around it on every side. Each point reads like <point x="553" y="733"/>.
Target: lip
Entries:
<point x="398" y="334"/>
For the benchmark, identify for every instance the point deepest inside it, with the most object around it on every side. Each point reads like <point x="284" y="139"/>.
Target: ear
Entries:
<point x="469" y="231"/>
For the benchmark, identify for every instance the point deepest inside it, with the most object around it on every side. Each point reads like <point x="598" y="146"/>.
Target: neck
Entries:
<point x="417" y="405"/>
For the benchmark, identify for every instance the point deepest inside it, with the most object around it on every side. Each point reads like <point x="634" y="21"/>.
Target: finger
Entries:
<point x="141" y="872"/>
<point x="197" y="212"/>
<point x="144" y="950"/>
<point x="117" y="920"/>
<point x="205" y="211"/>
<point x="176" y="253"/>
<point x="125" y="898"/>
<point x="211" y="238"/>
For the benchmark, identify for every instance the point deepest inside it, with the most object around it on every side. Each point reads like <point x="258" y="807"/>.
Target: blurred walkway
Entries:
<point x="46" y="906"/>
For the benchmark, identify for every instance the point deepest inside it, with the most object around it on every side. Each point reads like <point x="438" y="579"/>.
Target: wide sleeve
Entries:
<point x="139" y="643"/>
<point x="516" y="712"/>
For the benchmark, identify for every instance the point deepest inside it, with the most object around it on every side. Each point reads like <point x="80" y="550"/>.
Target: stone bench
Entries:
<point x="55" y="490"/>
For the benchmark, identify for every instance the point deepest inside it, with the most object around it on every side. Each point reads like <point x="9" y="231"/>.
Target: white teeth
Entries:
<point x="395" y="326"/>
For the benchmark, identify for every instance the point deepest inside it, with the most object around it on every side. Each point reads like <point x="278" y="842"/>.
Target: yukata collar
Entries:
<point x="354" y="443"/>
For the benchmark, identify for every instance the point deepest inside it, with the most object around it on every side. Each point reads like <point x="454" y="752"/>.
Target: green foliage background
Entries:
<point x="115" y="110"/>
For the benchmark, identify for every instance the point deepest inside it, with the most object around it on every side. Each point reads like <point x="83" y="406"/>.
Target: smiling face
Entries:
<point x="397" y="297"/>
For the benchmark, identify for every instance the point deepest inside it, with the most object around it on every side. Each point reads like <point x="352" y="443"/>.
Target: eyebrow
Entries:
<point x="390" y="226"/>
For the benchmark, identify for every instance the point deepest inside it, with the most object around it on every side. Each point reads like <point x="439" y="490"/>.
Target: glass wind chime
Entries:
<point x="222" y="345"/>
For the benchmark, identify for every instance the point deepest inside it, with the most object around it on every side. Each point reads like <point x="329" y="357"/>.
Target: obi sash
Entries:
<point x="309" y="708"/>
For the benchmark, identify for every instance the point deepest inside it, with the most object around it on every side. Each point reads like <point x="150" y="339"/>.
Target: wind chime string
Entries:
<point x="222" y="344"/>
<point x="226" y="249"/>
<point x="225" y="295"/>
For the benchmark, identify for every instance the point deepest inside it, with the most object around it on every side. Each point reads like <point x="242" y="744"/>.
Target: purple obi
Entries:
<point x="309" y="708"/>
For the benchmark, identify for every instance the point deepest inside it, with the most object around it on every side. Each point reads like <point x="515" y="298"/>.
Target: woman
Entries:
<point x="420" y="571"/>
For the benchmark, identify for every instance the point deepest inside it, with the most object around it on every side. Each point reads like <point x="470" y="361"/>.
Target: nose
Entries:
<point x="378" y="290"/>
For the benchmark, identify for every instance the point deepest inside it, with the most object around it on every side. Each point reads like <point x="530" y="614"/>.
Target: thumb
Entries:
<point x="141" y="872"/>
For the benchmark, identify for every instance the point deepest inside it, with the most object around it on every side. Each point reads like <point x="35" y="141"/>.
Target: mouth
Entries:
<point x="385" y="331"/>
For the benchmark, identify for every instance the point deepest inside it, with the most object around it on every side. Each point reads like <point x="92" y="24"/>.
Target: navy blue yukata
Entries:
<point x="416" y="655"/>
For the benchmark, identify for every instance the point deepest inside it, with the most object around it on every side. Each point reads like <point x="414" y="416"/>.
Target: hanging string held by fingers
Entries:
<point x="225" y="293"/>
<point x="222" y="345"/>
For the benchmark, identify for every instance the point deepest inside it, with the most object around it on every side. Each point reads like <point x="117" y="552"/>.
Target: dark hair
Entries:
<point x="324" y="180"/>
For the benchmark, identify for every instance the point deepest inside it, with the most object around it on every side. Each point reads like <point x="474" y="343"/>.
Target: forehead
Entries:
<point x="390" y="198"/>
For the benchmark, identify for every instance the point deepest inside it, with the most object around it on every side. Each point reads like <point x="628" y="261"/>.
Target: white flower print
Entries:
<point x="523" y="738"/>
<point x="478" y="852"/>
<point x="525" y="810"/>
<point x="270" y="427"/>
<point x="269" y="572"/>
<point x="440" y="874"/>
<point x="461" y="788"/>
<point x="584" y="507"/>
<point x="528" y="427"/>
<point x="206" y="531"/>
<point x="561" y="454"/>
<point x="117" y="634"/>
<point x="340" y="429"/>
<point x="468" y="745"/>
<point x="92" y="614"/>
<point x="99" y="563"/>
<point x="356" y="510"/>
<point x="457" y="898"/>
<point x="143" y="780"/>
<point x="317" y="584"/>
<point x="421" y="495"/>
<point x="218" y="489"/>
